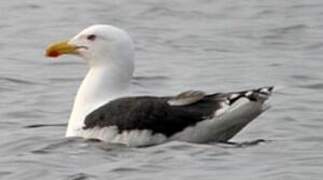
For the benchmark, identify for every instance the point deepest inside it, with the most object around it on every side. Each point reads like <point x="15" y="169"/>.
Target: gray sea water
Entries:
<point x="211" y="45"/>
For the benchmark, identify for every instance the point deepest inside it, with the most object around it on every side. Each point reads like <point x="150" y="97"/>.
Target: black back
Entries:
<point x="150" y="113"/>
<point x="167" y="115"/>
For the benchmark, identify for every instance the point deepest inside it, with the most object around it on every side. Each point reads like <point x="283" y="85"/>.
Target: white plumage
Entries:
<point x="109" y="52"/>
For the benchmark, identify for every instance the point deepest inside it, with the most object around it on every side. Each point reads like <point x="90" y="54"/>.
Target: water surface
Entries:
<point x="207" y="45"/>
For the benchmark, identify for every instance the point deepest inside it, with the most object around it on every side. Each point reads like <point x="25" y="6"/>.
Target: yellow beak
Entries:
<point x="60" y="48"/>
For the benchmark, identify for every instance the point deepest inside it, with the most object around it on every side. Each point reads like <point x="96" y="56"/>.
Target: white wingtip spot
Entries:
<point x="265" y="91"/>
<point x="248" y="93"/>
<point x="233" y="96"/>
<point x="223" y="108"/>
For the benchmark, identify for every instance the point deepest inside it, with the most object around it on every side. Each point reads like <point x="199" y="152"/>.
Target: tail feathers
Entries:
<point x="260" y="94"/>
<point x="240" y="109"/>
<point x="227" y="113"/>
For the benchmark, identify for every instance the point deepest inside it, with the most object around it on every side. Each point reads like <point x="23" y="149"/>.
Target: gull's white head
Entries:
<point x="98" y="44"/>
<point x="109" y="52"/>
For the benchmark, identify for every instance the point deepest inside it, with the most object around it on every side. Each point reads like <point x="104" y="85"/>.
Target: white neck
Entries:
<point x="101" y="85"/>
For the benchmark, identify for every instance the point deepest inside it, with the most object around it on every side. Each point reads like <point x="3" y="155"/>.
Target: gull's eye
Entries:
<point x="91" y="37"/>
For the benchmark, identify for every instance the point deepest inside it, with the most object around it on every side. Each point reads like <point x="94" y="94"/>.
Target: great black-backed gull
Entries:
<point x="102" y="109"/>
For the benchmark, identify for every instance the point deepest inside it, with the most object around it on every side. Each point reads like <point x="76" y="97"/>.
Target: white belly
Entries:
<point x="130" y="138"/>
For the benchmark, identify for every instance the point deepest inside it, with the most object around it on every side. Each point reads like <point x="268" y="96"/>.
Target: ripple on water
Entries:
<point x="313" y="86"/>
<point x="80" y="176"/>
<point x="17" y="81"/>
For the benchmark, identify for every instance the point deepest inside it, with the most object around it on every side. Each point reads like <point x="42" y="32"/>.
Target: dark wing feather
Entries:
<point x="166" y="115"/>
<point x="151" y="113"/>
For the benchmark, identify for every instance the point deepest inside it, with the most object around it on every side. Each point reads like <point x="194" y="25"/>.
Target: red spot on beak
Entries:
<point x="52" y="54"/>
